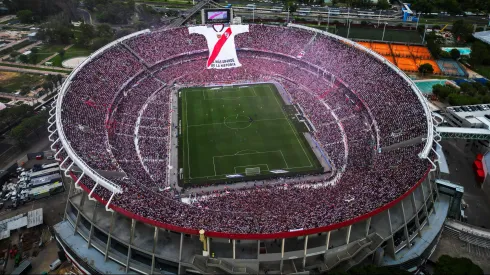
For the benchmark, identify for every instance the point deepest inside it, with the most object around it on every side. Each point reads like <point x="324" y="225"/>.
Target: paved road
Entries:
<point x="461" y="172"/>
<point x="32" y="71"/>
<point x="87" y="17"/>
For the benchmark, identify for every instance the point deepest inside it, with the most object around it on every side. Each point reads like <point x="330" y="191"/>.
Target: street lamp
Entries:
<point x="418" y="20"/>
<point x="379" y="17"/>
<point x="328" y="20"/>
<point x="425" y="31"/>
<point x="348" y="20"/>
<point x="288" y="16"/>
<point x="384" y="28"/>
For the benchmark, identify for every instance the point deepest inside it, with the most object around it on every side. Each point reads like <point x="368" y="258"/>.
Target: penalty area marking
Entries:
<point x="256" y="153"/>
<point x="253" y="165"/>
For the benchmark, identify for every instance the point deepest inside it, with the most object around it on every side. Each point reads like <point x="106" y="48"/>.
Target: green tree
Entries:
<point x="87" y="33"/>
<point x="28" y="125"/>
<point x="424" y="6"/>
<point x="462" y="30"/>
<point x="57" y="30"/>
<point x="443" y="91"/>
<point x="433" y="46"/>
<point x="61" y="53"/>
<point x="383" y="5"/>
<point x="14" y="54"/>
<point x="99" y="43"/>
<point x="480" y="53"/>
<point x="455" y="54"/>
<point x="34" y="55"/>
<point x="452" y="6"/>
<point x="426" y="68"/>
<point x="114" y="12"/>
<point x="447" y="265"/>
<point x="24" y="16"/>
<point x="23" y="58"/>
<point x="24" y="90"/>
<point x="105" y="31"/>
<point x="19" y="133"/>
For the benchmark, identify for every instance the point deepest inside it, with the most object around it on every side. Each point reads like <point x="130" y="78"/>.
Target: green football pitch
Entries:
<point x="239" y="130"/>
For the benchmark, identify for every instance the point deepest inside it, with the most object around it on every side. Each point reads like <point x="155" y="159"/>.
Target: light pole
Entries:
<point x="288" y="16"/>
<point x="328" y="20"/>
<point x="384" y="28"/>
<point x="348" y="22"/>
<point x="418" y="20"/>
<point x="379" y="17"/>
<point x="425" y="31"/>
<point x="253" y="14"/>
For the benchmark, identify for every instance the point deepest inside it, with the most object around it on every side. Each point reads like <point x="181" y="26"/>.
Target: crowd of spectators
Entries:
<point x="117" y="116"/>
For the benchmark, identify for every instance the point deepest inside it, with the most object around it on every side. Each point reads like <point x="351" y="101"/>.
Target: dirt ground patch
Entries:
<point x="4" y="76"/>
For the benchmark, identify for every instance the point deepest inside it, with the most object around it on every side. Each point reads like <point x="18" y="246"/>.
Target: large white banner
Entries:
<point x="221" y="44"/>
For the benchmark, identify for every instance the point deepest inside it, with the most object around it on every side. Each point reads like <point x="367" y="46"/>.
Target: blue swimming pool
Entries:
<point x="425" y="86"/>
<point x="462" y="51"/>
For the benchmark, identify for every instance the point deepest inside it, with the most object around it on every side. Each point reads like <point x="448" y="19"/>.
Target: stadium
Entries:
<point x="314" y="154"/>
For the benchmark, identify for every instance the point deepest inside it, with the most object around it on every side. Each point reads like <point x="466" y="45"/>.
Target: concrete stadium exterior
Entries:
<point x="102" y="238"/>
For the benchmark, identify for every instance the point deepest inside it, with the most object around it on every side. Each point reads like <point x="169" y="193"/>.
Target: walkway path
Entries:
<point x="471" y="73"/>
<point x="32" y="71"/>
<point x="41" y="67"/>
<point x="53" y="55"/>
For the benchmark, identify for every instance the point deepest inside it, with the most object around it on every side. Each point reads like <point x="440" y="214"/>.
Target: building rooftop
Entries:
<point x="474" y="114"/>
<point x="483" y="36"/>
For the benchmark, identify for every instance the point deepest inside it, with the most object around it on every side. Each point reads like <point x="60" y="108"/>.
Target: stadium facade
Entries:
<point x="102" y="234"/>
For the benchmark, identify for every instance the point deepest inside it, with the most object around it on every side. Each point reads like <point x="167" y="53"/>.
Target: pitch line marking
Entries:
<point x="246" y="150"/>
<point x="253" y="90"/>
<point x="218" y="123"/>
<point x="258" y="152"/>
<point x="187" y="136"/>
<point x="214" y="166"/>
<point x="283" y="158"/>
<point x="252" y="165"/>
<point x="292" y="129"/>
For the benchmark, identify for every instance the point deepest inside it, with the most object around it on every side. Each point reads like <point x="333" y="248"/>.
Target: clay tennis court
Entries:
<point x="407" y="58"/>
<point x="406" y="64"/>
<point x="401" y="50"/>
<point x="381" y="48"/>
<point x="419" y="51"/>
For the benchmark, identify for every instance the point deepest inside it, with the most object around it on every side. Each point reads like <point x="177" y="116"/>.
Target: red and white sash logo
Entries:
<point x="221" y="44"/>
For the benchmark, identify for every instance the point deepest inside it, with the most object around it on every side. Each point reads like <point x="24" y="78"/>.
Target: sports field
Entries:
<point x="239" y="132"/>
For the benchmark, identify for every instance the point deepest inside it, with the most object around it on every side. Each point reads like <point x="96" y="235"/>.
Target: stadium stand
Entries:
<point x="116" y="117"/>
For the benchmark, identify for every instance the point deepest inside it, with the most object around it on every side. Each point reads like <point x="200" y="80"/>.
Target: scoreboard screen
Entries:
<point x="217" y="16"/>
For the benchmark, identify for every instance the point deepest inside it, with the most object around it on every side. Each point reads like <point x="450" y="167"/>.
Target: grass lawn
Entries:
<point x="228" y="130"/>
<point x="46" y="51"/>
<point x="13" y="81"/>
<point x="483" y="70"/>
<point x="72" y="52"/>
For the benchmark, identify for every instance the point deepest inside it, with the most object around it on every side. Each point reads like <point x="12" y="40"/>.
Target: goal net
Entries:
<point x="252" y="171"/>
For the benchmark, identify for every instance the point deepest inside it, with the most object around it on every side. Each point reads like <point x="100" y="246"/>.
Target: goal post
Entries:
<point x="252" y="171"/>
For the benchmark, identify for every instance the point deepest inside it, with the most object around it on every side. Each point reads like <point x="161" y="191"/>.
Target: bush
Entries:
<point x="426" y="68"/>
<point x="447" y="265"/>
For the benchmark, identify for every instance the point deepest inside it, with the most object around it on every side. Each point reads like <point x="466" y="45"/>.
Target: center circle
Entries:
<point x="238" y="122"/>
